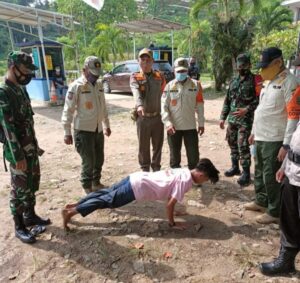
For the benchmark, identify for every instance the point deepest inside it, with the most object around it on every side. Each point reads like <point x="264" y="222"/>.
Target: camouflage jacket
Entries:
<point x="16" y="119"/>
<point x="240" y="94"/>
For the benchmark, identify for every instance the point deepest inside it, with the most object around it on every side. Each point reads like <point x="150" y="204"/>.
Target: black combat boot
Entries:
<point x="244" y="180"/>
<point x="21" y="232"/>
<point x="284" y="264"/>
<point x="234" y="170"/>
<point x="30" y="218"/>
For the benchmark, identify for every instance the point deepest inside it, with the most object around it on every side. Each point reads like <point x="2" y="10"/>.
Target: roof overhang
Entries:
<point x="293" y="4"/>
<point x="153" y="25"/>
<point x="31" y="16"/>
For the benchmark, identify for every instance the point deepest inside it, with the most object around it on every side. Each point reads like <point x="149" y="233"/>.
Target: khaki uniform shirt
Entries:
<point x="87" y="101"/>
<point x="271" y="120"/>
<point x="147" y="90"/>
<point x="179" y="104"/>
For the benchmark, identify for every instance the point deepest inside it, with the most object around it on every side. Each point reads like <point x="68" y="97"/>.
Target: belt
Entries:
<point x="153" y="114"/>
<point x="294" y="157"/>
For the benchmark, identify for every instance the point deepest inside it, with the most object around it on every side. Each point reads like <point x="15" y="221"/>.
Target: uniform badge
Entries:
<point x="174" y="102"/>
<point x="89" y="105"/>
<point x="70" y="95"/>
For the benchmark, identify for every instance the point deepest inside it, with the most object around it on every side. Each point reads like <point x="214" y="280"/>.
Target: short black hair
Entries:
<point x="206" y="166"/>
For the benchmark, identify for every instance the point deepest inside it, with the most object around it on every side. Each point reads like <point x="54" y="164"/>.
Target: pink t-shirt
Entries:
<point x="161" y="185"/>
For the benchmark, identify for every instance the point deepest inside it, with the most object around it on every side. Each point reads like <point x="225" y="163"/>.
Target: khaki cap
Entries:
<point x="146" y="51"/>
<point x="93" y="64"/>
<point x="181" y="64"/>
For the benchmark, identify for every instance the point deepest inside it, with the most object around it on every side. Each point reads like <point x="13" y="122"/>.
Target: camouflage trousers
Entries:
<point x="24" y="185"/>
<point x="237" y="138"/>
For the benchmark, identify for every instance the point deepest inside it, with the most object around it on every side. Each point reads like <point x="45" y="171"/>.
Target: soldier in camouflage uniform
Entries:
<point x="193" y="70"/>
<point x="239" y="106"/>
<point x="20" y="145"/>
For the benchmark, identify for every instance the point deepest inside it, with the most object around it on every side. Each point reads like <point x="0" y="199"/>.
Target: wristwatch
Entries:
<point x="286" y="146"/>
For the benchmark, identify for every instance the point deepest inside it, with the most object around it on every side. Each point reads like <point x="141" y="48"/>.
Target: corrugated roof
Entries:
<point x="153" y="25"/>
<point x="291" y="3"/>
<point x="29" y="16"/>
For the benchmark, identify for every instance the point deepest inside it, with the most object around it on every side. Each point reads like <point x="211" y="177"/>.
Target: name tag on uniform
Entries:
<point x="192" y="89"/>
<point x="277" y="86"/>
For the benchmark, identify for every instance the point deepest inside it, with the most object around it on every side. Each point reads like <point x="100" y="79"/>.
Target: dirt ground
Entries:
<point x="134" y="243"/>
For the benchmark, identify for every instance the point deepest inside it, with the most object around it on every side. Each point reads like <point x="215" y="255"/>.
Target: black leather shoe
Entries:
<point x="284" y="264"/>
<point x="234" y="170"/>
<point x="35" y="220"/>
<point x="31" y="219"/>
<point x="244" y="180"/>
<point x="25" y="236"/>
<point x="21" y="232"/>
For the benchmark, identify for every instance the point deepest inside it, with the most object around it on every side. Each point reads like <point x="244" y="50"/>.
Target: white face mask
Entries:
<point x="181" y="76"/>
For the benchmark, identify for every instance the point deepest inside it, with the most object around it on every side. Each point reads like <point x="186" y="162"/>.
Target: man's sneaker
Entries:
<point x="266" y="219"/>
<point x="254" y="206"/>
<point x="98" y="187"/>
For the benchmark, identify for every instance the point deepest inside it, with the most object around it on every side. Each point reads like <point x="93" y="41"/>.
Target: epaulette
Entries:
<point x="138" y="76"/>
<point x="157" y="74"/>
<point x="194" y="82"/>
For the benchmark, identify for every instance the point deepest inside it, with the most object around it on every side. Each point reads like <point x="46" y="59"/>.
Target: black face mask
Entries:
<point x="244" y="72"/>
<point x="26" y="77"/>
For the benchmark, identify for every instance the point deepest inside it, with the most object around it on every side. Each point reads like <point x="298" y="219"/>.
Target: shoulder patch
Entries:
<point x="139" y="76"/>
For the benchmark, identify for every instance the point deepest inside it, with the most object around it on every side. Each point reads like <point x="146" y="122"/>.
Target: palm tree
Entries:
<point x="110" y="41"/>
<point x="229" y="36"/>
<point x="273" y="17"/>
<point x="225" y="9"/>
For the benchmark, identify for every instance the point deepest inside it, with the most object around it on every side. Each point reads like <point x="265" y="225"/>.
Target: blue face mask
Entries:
<point x="181" y="76"/>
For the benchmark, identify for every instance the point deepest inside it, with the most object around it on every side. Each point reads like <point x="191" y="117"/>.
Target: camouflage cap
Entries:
<point x="93" y="64"/>
<point x="242" y="59"/>
<point x="18" y="58"/>
<point x="181" y="64"/>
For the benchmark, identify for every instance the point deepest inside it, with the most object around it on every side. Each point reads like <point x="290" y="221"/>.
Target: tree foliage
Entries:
<point x="230" y="34"/>
<point x="286" y="40"/>
<point x="273" y="17"/>
<point x="228" y="40"/>
<point x="109" y="41"/>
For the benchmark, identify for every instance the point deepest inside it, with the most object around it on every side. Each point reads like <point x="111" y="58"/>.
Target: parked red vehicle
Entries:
<point x="118" y="78"/>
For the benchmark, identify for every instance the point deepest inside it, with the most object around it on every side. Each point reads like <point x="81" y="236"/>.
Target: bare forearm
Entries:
<point x="170" y="211"/>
